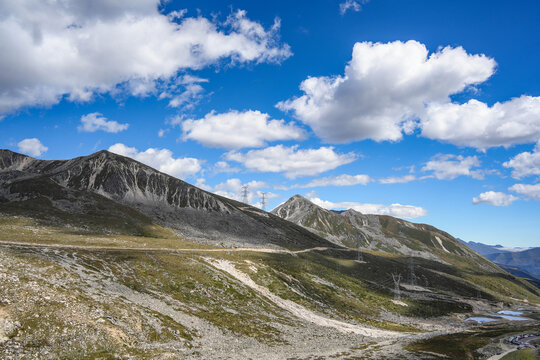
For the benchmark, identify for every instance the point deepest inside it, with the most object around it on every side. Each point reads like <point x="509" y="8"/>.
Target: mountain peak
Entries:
<point x="78" y="184"/>
<point x="353" y="229"/>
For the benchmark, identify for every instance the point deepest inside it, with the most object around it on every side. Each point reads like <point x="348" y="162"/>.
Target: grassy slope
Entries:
<point x="525" y="354"/>
<point x="330" y="282"/>
<point x="466" y="345"/>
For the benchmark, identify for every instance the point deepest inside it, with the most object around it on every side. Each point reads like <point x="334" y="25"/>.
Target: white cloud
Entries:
<point x="494" y="198"/>
<point x="191" y="92"/>
<point x="448" y="166"/>
<point x="96" y="121"/>
<point x="161" y="159"/>
<point x="525" y="164"/>
<point x="75" y="49"/>
<point x="398" y="210"/>
<point x="32" y="147"/>
<point x="232" y="189"/>
<point x="478" y="125"/>
<point x="530" y="191"/>
<point x="175" y="120"/>
<point x="235" y="130"/>
<point x="291" y="161"/>
<point x="384" y="88"/>
<point x="398" y="179"/>
<point x="340" y="180"/>
<point x="353" y="5"/>
<point x="224" y="167"/>
<point x="184" y="92"/>
<point x="201" y="183"/>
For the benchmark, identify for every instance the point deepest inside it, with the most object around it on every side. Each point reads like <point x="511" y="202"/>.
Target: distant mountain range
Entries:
<point x="484" y="249"/>
<point x="528" y="260"/>
<point x="523" y="262"/>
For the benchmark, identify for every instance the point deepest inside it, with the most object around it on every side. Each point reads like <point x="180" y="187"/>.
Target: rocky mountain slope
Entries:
<point x="123" y="188"/>
<point x="484" y="249"/>
<point x="528" y="260"/>
<point x="353" y="229"/>
<point x="524" y="262"/>
<point x="104" y="257"/>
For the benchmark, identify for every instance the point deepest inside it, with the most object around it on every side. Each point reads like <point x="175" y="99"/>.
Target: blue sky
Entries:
<point x="426" y="110"/>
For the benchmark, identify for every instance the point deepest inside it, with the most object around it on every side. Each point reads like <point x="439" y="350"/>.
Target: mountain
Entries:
<point x="119" y="193"/>
<point x="528" y="260"/>
<point x="484" y="249"/>
<point x="523" y="262"/>
<point x="353" y="229"/>
<point x="516" y="271"/>
<point x="104" y="257"/>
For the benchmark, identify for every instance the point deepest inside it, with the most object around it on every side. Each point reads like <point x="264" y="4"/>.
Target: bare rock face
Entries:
<point x="166" y="200"/>
<point x="372" y="232"/>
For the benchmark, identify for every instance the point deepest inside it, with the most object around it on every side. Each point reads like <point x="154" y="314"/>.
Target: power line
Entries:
<point x="412" y="276"/>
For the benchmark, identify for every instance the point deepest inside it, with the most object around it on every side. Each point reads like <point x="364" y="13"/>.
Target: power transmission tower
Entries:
<point x="412" y="276"/>
<point x="245" y="194"/>
<point x="263" y="200"/>
<point x="397" y="290"/>
<point x="359" y="256"/>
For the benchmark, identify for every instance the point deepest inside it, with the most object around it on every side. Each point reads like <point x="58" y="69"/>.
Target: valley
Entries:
<point x="125" y="282"/>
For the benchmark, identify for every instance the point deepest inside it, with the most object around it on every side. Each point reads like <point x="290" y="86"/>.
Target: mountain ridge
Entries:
<point x="385" y="233"/>
<point x="166" y="200"/>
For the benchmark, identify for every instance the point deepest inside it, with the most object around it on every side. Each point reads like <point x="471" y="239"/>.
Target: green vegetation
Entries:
<point x="524" y="354"/>
<point x="465" y="345"/>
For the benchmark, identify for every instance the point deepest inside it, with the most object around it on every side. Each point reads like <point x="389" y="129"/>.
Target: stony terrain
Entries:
<point x="98" y="263"/>
<point x="119" y="185"/>
<point x="372" y="232"/>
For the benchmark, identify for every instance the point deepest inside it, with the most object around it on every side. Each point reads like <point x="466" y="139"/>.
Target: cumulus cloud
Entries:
<point x="384" y="89"/>
<point x="32" y="147"/>
<point x="75" y="49"/>
<point x="224" y="167"/>
<point x="235" y="129"/>
<point x="448" y="167"/>
<point x="353" y="5"/>
<point x="398" y="210"/>
<point x="530" y="191"/>
<point x="184" y="92"/>
<point x="340" y="180"/>
<point x="478" y="125"/>
<point x="291" y="161"/>
<point x="494" y="198"/>
<point x="161" y="159"/>
<point x="201" y="183"/>
<point x="398" y="179"/>
<point x="233" y="189"/>
<point x="96" y="121"/>
<point x="525" y="164"/>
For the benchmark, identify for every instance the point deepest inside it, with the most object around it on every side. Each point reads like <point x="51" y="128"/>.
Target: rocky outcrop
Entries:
<point x="169" y="201"/>
<point x="373" y="232"/>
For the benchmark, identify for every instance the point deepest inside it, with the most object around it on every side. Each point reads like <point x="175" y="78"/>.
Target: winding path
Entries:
<point x="298" y="310"/>
<point x="162" y="249"/>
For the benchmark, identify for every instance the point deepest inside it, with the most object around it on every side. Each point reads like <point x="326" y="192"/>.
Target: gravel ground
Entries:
<point x="55" y="302"/>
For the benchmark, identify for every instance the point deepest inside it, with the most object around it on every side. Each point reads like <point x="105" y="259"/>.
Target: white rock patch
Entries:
<point x="440" y="243"/>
